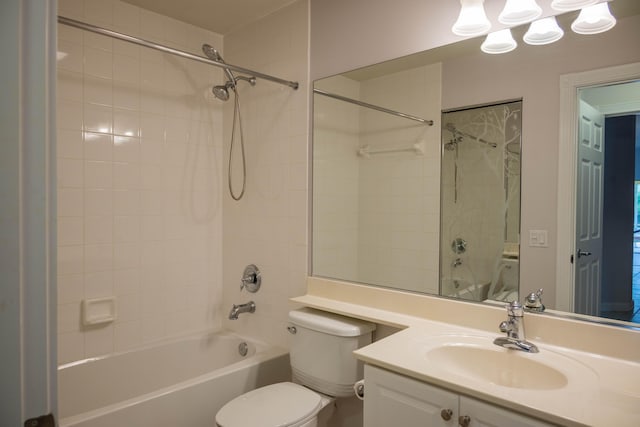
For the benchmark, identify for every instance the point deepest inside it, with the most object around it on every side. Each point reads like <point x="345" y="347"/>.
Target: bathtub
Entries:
<point x="178" y="383"/>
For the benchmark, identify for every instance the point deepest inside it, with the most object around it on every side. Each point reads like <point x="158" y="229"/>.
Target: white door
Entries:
<point x="589" y="193"/>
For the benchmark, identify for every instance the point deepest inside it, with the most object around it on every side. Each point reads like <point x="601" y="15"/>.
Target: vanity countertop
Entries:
<point x="602" y="390"/>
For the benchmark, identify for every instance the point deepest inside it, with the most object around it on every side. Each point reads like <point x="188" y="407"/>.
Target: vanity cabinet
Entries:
<point x="395" y="400"/>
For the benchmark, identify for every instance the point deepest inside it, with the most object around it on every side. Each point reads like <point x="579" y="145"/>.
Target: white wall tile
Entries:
<point x="98" y="202"/>
<point x="98" y="341"/>
<point x="97" y="258"/>
<point x="69" y="144"/>
<point x="70" y="288"/>
<point x="98" y="146"/>
<point x="70" y="230"/>
<point x="98" y="174"/>
<point x="97" y="118"/>
<point x="116" y="104"/>
<point x="98" y="62"/>
<point x="98" y="229"/>
<point x="70" y="347"/>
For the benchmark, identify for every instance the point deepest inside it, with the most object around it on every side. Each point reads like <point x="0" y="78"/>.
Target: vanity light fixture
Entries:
<point x="543" y="31"/>
<point x="499" y="42"/>
<point x="518" y="12"/>
<point x="472" y="20"/>
<point x="567" y="5"/>
<point x="594" y="19"/>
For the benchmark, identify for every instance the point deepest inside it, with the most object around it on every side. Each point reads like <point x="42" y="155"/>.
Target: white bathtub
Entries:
<point x="179" y="383"/>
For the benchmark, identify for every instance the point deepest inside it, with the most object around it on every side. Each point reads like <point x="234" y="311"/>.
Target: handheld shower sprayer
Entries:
<point x="222" y="91"/>
<point x="213" y="54"/>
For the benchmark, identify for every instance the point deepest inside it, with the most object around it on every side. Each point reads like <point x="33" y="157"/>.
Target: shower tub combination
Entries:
<point x="181" y="382"/>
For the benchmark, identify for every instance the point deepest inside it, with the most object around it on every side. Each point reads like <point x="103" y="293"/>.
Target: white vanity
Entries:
<point x="442" y="367"/>
<point x="394" y="399"/>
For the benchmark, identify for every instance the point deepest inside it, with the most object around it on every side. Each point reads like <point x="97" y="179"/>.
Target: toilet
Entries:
<point x="504" y="286"/>
<point x="323" y="368"/>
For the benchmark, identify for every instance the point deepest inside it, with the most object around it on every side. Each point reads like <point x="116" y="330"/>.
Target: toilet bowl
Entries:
<point x="323" y="369"/>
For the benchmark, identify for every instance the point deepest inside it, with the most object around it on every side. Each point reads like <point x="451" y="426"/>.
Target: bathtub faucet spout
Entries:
<point x="237" y="309"/>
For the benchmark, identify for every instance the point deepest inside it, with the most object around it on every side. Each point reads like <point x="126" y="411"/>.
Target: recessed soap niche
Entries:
<point x="98" y="311"/>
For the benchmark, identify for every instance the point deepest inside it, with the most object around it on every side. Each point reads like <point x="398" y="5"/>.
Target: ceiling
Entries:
<point x="219" y="16"/>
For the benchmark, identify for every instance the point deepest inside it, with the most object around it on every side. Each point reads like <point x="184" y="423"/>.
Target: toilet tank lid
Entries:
<point x="330" y="323"/>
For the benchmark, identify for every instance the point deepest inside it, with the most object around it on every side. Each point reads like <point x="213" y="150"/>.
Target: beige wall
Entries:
<point x="348" y="34"/>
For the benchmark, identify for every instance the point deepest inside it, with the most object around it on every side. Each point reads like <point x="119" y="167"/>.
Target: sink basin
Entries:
<point x="507" y="368"/>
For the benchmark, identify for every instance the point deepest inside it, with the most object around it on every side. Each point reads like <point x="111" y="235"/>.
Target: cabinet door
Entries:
<point x="394" y="400"/>
<point x="486" y="415"/>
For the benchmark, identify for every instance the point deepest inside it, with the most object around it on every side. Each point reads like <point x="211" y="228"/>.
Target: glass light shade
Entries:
<point x="543" y="31"/>
<point x="472" y="20"/>
<point x="518" y="12"/>
<point x="567" y="5"/>
<point x="594" y="19"/>
<point x="499" y="42"/>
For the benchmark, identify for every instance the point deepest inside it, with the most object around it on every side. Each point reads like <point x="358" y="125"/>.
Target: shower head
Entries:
<point x="213" y="54"/>
<point x="222" y="91"/>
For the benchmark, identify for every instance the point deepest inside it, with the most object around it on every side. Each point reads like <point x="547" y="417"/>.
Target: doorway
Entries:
<point x="606" y="265"/>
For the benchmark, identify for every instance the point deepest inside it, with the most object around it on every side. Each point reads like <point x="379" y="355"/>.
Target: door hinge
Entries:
<point x="571" y="260"/>
<point x="42" y="421"/>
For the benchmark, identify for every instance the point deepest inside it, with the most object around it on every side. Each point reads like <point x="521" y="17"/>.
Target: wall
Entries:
<point x="139" y="180"/>
<point x="348" y="34"/>
<point x="268" y="227"/>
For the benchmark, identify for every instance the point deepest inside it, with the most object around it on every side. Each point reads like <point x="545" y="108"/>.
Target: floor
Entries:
<point x="636" y="287"/>
<point x="635" y="315"/>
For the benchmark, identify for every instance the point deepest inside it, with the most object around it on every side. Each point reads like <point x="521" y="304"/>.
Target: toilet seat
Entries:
<point x="278" y="405"/>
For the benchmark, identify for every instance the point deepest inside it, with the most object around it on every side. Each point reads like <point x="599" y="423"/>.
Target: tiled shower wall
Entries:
<point x="139" y="180"/>
<point x="268" y="227"/>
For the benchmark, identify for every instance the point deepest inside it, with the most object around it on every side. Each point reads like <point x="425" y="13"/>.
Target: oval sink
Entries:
<point x="508" y="368"/>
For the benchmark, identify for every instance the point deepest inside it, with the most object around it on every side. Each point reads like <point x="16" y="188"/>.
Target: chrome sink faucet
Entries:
<point x="238" y="309"/>
<point x="514" y="328"/>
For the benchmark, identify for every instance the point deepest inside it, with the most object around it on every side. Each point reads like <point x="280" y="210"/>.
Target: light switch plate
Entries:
<point x="538" y="238"/>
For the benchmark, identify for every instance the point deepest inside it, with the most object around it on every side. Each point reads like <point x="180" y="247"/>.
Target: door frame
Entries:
<point x="567" y="154"/>
<point x="28" y="373"/>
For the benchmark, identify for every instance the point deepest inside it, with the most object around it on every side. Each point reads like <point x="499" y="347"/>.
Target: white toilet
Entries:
<point x="321" y="360"/>
<point x="504" y="286"/>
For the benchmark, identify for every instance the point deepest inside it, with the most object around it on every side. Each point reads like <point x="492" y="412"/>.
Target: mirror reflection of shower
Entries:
<point x="222" y="92"/>
<point x="480" y="201"/>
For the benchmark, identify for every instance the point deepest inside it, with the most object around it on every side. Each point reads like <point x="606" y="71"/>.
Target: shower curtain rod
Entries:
<point x="124" y="37"/>
<point x="373" y="107"/>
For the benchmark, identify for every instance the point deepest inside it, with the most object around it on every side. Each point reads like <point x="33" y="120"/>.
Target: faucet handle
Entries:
<point x="251" y="279"/>
<point x="504" y="327"/>
<point x="514" y="309"/>
<point x="533" y="301"/>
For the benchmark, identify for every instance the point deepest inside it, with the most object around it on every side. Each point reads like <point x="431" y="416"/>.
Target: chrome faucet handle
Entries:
<point x="533" y="301"/>
<point x="251" y="279"/>
<point x="514" y="309"/>
<point x="504" y="327"/>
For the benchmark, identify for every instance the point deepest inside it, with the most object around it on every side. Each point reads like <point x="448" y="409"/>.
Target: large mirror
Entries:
<point x="404" y="154"/>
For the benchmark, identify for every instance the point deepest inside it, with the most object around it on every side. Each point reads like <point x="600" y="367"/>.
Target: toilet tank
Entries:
<point x="322" y="350"/>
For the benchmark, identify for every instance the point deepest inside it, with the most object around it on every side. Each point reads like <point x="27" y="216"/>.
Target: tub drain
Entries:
<point x="243" y="349"/>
